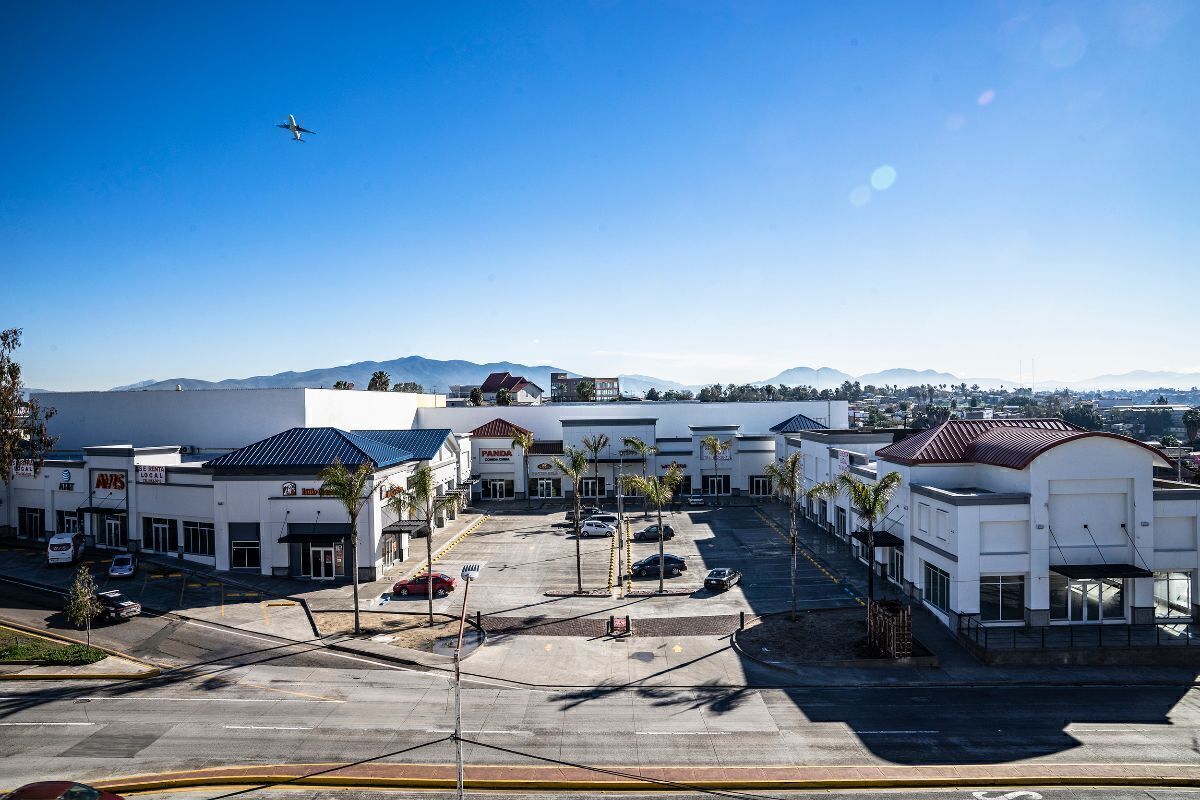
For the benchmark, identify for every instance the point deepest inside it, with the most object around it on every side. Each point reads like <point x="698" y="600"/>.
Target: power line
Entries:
<point x="334" y="768"/>
<point x="630" y="775"/>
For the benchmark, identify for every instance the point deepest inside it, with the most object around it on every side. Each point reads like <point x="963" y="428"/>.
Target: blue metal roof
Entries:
<point x="423" y="444"/>
<point x="798" y="423"/>
<point x="314" y="448"/>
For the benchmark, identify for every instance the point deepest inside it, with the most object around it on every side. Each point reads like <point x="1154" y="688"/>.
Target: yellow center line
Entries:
<point x="288" y="691"/>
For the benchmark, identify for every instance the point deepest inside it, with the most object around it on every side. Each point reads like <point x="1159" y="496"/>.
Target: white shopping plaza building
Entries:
<point x="1020" y="522"/>
<point x="229" y="478"/>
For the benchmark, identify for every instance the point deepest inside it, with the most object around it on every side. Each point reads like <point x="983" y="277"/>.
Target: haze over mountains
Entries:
<point x="439" y="375"/>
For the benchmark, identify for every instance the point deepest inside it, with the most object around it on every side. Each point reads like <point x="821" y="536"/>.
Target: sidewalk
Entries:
<point x="112" y="668"/>
<point x="564" y="778"/>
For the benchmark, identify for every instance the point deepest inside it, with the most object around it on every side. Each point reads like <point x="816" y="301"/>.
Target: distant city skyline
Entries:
<point x="698" y="192"/>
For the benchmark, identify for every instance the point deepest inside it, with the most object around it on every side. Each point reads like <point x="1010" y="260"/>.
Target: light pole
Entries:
<point x="469" y="573"/>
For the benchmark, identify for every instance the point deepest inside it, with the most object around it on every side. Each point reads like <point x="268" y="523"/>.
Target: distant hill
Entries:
<point x="1137" y="379"/>
<point x="907" y="377"/>
<point x="819" y="378"/>
<point x="639" y="384"/>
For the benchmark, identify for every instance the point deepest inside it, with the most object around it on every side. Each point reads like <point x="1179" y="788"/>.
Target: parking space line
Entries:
<point x="266" y="616"/>
<point x="612" y="563"/>
<point x="782" y="533"/>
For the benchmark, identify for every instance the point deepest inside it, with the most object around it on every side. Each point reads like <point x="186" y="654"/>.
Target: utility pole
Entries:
<point x="469" y="573"/>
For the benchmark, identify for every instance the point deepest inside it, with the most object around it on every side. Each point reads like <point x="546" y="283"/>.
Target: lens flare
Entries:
<point x="883" y="177"/>
<point x="986" y="97"/>
<point x="860" y="196"/>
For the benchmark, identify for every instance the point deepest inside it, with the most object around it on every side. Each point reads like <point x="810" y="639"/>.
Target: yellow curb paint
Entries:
<point x="266" y="616"/>
<point x="281" y="603"/>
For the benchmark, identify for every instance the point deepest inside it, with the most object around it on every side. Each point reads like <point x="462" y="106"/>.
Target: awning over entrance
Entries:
<point x="316" y="532"/>
<point x="406" y="526"/>
<point x="100" y="510"/>
<point x="882" y="539"/>
<point x="1096" y="571"/>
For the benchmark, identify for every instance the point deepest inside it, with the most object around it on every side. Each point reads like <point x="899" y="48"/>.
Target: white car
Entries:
<point x="593" y="527"/>
<point x="695" y="499"/>
<point x="64" y="548"/>
<point x="606" y="518"/>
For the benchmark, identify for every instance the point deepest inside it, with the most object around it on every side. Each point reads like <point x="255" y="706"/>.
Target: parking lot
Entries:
<point x="527" y="554"/>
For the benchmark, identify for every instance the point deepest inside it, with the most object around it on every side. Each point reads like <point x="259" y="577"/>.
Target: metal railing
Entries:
<point x="1070" y="637"/>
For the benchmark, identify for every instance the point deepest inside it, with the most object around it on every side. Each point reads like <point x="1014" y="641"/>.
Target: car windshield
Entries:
<point x="121" y="561"/>
<point x="718" y="573"/>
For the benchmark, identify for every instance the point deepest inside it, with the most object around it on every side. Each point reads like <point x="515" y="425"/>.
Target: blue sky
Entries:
<point x="678" y="189"/>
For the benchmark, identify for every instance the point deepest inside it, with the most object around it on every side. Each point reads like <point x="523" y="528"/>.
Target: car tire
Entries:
<point x="641" y="573"/>
<point x="674" y="572"/>
<point x="403" y="591"/>
<point x="439" y="592"/>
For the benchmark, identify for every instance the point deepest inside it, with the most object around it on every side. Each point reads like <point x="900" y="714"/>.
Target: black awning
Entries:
<point x="100" y="510"/>
<point x="882" y="539"/>
<point x="323" y="532"/>
<point x="406" y="526"/>
<point x="1094" y="571"/>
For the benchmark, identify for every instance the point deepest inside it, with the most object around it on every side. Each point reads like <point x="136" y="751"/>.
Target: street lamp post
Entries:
<point x="469" y="573"/>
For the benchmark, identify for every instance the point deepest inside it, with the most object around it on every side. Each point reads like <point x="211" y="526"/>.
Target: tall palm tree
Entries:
<point x="714" y="447"/>
<point x="787" y="474"/>
<point x="643" y="451"/>
<point x="657" y="489"/>
<point x="421" y="499"/>
<point x="594" y="444"/>
<point x="869" y="501"/>
<point x="351" y="490"/>
<point x="574" y="465"/>
<point x="524" y="440"/>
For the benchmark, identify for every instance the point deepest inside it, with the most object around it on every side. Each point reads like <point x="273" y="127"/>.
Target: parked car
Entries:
<point x="695" y="499"/>
<point x="64" y="548"/>
<point x="593" y="527"/>
<point x="722" y="578"/>
<point x="116" y="607"/>
<point x="607" y="519"/>
<point x="584" y="512"/>
<point x="674" y="566"/>
<point x="443" y="584"/>
<point x="59" y="790"/>
<point x="123" y="566"/>
<point x="650" y="533"/>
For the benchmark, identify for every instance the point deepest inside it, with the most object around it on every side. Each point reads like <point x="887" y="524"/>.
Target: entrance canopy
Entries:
<point x="317" y="532"/>
<point x="406" y="526"/>
<point x="882" y="539"/>
<point x="1096" y="571"/>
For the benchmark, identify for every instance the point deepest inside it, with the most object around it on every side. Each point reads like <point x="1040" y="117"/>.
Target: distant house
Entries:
<point x="522" y="392"/>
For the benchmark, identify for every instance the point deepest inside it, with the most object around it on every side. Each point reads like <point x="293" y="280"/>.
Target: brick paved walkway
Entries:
<point x="717" y="625"/>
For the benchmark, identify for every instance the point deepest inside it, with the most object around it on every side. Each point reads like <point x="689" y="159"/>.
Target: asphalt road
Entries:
<point x="965" y="793"/>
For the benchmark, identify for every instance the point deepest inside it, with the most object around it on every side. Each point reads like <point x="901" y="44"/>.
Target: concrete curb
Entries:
<point x="562" y="778"/>
<point x="152" y="670"/>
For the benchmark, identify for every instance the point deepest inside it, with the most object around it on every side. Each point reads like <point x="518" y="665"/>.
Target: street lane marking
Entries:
<point x="288" y="691"/>
<point x="21" y="724"/>
<point x="510" y="733"/>
<point x="683" y="733"/>
<point x="265" y="728"/>
<point x="896" y="732"/>
<point x="165" y="698"/>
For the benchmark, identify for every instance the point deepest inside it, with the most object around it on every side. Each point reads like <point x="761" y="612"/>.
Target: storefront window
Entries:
<point x="1002" y="598"/>
<point x="1093" y="600"/>
<point x="896" y="565"/>
<point x="936" y="590"/>
<point x="244" y="549"/>
<point x="1173" y="595"/>
<point x="198" y="538"/>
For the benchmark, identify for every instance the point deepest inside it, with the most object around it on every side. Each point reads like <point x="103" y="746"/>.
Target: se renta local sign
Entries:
<point x="151" y="473"/>
<point x="495" y="456"/>
<point x="24" y="468"/>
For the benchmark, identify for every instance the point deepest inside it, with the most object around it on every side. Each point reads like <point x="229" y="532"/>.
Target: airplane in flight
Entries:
<point x="295" y="128"/>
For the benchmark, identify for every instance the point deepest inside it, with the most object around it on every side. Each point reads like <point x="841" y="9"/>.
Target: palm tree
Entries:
<point x="643" y="451"/>
<point x="421" y="498"/>
<point x="575" y="467"/>
<point x="869" y="501"/>
<point x="350" y="489"/>
<point x="379" y="382"/>
<point x="787" y="474"/>
<point x="524" y="440"/>
<point x="594" y="444"/>
<point x="714" y="447"/>
<point x="658" y="491"/>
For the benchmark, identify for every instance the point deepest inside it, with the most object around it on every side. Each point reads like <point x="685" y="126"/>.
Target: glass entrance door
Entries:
<point x="495" y="489"/>
<point x="322" y="563"/>
<point x="113" y="532"/>
<point x="1087" y="601"/>
<point x="159" y="537"/>
<point x="546" y="487"/>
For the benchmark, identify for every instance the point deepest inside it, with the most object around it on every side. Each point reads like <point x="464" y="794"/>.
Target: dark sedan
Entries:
<point x="672" y="566"/>
<point x="59" y="790"/>
<point x="721" y="579"/>
<point x="650" y="533"/>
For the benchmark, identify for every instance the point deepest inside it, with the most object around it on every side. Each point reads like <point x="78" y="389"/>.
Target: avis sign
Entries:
<point x="108" y="481"/>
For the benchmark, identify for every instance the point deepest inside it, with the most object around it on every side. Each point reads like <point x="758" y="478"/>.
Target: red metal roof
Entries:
<point x="498" y="429"/>
<point x="1011" y="443"/>
<point x="503" y="380"/>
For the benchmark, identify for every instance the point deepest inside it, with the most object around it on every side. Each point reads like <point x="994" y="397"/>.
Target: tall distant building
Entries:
<point x="564" y="389"/>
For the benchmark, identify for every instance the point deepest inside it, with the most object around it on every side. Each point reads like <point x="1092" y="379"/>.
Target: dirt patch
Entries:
<point x="827" y="635"/>
<point x="402" y="630"/>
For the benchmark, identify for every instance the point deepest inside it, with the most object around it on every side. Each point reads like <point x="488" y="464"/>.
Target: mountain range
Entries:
<point x="437" y="375"/>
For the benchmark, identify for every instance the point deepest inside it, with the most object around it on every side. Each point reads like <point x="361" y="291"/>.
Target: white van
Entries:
<point x="64" y="548"/>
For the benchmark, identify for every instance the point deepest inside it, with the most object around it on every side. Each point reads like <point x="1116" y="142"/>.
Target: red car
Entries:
<point x="59" y="790"/>
<point x="443" y="584"/>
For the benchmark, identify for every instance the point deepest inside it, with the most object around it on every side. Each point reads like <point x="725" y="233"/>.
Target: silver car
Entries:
<point x="122" y="566"/>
